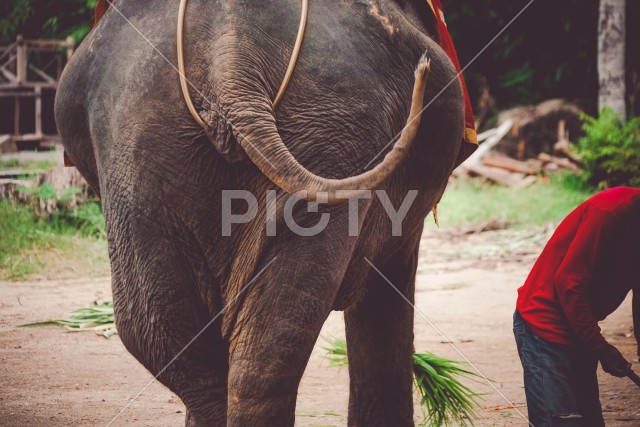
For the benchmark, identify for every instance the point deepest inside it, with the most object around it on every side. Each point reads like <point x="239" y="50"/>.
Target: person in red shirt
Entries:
<point x="583" y="274"/>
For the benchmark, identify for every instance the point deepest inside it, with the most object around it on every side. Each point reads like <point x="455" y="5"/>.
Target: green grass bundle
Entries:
<point x="336" y="352"/>
<point x="444" y="399"/>
<point x="99" y="318"/>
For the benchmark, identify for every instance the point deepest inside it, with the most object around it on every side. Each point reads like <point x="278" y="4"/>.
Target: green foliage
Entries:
<point x="444" y="399"/>
<point x="547" y="52"/>
<point x="610" y="150"/>
<point x="44" y="192"/>
<point x="472" y="201"/>
<point x="11" y="163"/>
<point x="54" y="19"/>
<point x="88" y="219"/>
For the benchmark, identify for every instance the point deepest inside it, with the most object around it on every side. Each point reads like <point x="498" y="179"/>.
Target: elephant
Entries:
<point x="228" y="322"/>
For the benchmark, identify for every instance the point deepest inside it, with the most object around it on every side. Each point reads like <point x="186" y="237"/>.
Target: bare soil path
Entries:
<point x="466" y="289"/>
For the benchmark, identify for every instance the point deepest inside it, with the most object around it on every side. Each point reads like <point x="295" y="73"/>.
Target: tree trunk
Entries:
<point x="611" y="56"/>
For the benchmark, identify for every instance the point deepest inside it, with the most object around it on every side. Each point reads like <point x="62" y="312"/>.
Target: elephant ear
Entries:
<point x="220" y="134"/>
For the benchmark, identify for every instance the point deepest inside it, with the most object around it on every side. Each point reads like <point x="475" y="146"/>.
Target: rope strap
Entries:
<point x="184" y="84"/>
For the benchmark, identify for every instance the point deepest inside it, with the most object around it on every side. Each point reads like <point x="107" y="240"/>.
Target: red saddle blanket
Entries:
<point x="469" y="139"/>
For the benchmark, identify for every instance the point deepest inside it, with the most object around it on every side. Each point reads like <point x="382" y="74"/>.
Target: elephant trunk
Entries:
<point x="275" y="161"/>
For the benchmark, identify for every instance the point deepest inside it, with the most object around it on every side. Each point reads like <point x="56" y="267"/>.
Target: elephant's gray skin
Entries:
<point x="126" y="127"/>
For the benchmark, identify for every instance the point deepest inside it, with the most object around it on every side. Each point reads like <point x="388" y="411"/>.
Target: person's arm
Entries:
<point x="573" y="280"/>
<point x="575" y="274"/>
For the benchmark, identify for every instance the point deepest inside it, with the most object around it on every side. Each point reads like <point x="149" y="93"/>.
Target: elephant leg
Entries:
<point x="380" y="342"/>
<point x="159" y="309"/>
<point x="274" y="333"/>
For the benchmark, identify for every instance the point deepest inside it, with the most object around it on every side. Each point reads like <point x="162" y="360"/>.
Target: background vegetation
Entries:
<point x="474" y="201"/>
<point x="548" y="52"/>
<point x="68" y="241"/>
<point x="610" y="151"/>
<point x="49" y="19"/>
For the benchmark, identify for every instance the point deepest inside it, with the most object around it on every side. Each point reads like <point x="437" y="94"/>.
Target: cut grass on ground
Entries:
<point x="472" y="201"/>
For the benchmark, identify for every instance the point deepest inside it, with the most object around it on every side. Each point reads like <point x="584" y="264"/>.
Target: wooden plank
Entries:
<point x="9" y="61"/>
<point x="563" y="163"/>
<point x="485" y="147"/>
<point x="17" y="181"/>
<point x="70" y="46"/>
<point x="512" y="165"/>
<point x="8" y="75"/>
<point x="12" y="94"/>
<point x="50" y="43"/>
<point x="38" y="111"/>
<point x="44" y="76"/>
<point x="486" y="134"/>
<point x="21" y="60"/>
<point x="500" y="176"/>
<point x="7" y="50"/>
<point x="16" y="173"/>
<point x="27" y="85"/>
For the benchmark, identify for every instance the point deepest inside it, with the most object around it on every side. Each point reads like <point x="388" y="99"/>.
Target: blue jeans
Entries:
<point x="560" y="381"/>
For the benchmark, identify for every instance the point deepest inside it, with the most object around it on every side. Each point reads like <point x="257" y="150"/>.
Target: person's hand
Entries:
<point x="613" y="362"/>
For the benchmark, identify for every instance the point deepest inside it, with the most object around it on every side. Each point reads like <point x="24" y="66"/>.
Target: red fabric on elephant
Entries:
<point x="469" y="139"/>
<point x="101" y="8"/>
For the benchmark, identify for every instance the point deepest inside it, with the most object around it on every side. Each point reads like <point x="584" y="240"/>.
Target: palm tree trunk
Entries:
<point x="611" y="56"/>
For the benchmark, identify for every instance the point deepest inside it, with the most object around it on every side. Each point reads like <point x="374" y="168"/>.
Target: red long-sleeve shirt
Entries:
<point x="586" y="270"/>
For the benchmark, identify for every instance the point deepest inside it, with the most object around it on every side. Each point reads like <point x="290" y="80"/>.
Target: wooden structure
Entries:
<point x="29" y="71"/>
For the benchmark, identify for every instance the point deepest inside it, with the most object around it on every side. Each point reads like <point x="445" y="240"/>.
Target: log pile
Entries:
<point x="515" y="155"/>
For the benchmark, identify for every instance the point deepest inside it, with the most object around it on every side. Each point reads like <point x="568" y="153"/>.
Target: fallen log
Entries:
<point x="493" y="136"/>
<point x="513" y="165"/>
<point x="560" y="162"/>
<point x="503" y="177"/>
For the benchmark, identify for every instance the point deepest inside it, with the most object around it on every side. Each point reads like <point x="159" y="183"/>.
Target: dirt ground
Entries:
<point x="466" y="291"/>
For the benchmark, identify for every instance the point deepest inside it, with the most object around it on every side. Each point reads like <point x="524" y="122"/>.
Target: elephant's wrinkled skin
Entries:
<point x="126" y="127"/>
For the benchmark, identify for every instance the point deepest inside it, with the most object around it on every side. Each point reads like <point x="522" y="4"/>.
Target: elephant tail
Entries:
<point x="275" y="161"/>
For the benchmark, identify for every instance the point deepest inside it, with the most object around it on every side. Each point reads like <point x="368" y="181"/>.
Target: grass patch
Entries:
<point x="470" y="201"/>
<point x="27" y="165"/>
<point x="21" y="234"/>
<point x="29" y="245"/>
